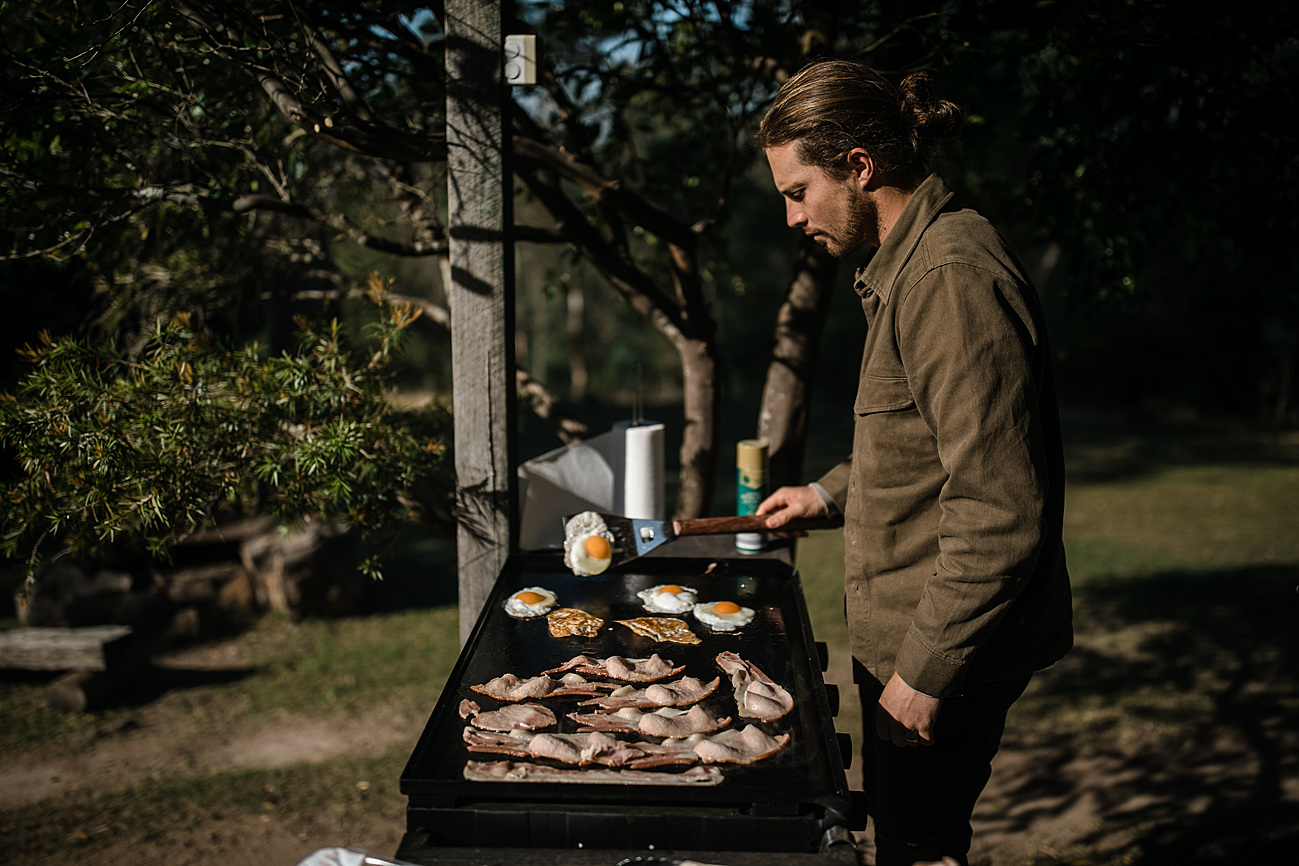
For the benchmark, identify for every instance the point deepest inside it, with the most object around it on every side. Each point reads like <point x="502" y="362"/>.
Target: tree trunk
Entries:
<point x="701" y="401"/>
<point x="701" y="397"/>
<point x="787" y="395"/>
<point x="685" y="319"/>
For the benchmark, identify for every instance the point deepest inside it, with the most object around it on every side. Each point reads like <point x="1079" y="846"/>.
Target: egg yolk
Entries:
<point x="726" y="607"/>
<point x="597" y="547"/>
<point x="528" y="597"/>
<point x="672" y="588"/>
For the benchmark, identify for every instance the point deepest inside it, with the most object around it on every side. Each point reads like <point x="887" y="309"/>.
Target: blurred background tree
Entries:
<point x="244" y="162"/>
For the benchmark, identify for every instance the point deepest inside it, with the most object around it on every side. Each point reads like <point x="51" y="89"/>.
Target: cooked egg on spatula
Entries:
<point x="588" y="544"/>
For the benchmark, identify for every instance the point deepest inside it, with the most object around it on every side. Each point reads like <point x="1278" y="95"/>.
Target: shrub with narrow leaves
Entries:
<point x="110" y="451"/>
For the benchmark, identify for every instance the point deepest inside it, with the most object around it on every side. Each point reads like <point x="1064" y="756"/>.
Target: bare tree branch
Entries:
<point x="337" y="77"/>
<point x="348" y="131"/>
<point x="548" y="408"/>
<point x="530" y="152"/>
<point x="636" y="287"/>
<point x="338" y="223"/>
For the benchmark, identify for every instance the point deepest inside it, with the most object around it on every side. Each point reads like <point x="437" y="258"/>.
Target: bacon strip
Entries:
<point x="664" y="722"/>
<point x="508" y="687"/>
<point x="756" y="695"/>
<point x="681" y="693"/>
<point x="582" y="749"/>
<point x="669" y="723"/>
<point x="515" y="717"/>
<point x="734" y="747"/>
<point x="620" y="668"/>
<point x="739" y="747"/>
<point x="511" y="771"/>
<point x="511" y="744"/>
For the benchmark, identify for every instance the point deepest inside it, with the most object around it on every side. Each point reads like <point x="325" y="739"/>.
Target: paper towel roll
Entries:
<point x="643" y="489"/>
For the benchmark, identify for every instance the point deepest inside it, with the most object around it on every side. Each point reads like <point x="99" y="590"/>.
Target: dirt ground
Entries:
<point x="1045" y="805"/>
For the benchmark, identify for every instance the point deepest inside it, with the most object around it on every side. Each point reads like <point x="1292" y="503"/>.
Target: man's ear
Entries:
<point x="862" y="167"/>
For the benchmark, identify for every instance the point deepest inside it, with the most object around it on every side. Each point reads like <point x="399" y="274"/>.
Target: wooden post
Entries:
<point x="481" y="296"/>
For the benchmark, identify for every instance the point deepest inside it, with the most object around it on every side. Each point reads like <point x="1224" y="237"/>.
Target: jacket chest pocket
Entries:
<point x="882" y="394"/>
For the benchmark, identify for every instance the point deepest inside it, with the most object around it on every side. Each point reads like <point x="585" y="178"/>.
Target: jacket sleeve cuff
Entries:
<point x="833" y="486"/>
<point x="925" y="671"/>
<point x="831" y="507"/>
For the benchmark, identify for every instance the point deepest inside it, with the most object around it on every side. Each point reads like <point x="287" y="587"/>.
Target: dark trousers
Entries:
<point x="921" y="797"/>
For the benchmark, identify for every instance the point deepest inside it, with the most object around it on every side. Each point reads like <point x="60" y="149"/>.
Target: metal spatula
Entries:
<point x="634" y="537"/>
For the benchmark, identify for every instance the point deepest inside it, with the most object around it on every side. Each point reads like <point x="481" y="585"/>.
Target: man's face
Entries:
<point x="835" y="212"/>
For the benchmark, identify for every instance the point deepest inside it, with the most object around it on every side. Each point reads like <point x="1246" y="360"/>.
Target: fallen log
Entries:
<point x="92" y="648"/>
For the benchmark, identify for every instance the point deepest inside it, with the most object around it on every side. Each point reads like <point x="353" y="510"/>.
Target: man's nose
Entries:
<point x="794" y="216"/>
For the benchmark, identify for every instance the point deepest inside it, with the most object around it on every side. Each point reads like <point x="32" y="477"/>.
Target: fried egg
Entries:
<point x="588" y="544"/>
<point x="530" y="602"/>
<point x="723" y="615"/>
<point x="668" y="598"/>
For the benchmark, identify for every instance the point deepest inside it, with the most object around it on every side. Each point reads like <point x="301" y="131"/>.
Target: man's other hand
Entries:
<point x="905" y="715"/>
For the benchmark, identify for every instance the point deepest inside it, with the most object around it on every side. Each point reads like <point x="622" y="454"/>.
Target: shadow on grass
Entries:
<point x="154" y="681"/>
<point x="1175" y="720"/>
<point x="1100" y="448"/>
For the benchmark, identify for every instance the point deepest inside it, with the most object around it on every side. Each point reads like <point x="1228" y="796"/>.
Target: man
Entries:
<point x="955" y="581"/>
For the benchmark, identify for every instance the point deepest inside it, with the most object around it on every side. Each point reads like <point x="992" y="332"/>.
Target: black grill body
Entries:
<point x="786" y="803"/>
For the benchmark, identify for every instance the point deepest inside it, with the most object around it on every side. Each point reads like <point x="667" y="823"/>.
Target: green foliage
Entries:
<point x="114" y="451"/>
<point x="137" y="142"/>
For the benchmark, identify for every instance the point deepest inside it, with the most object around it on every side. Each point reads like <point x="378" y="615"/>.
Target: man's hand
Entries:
<point x="905" y="716"/>
<point x="788" y="503"/>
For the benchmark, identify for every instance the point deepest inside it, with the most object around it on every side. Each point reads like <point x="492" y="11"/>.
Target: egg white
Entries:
<point x="657" y="601"/>
<point x="706" y="614"/>
<point x="523" y="610"/>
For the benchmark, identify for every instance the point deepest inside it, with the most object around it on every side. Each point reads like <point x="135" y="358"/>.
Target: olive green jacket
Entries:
<point x="953" y="499"/>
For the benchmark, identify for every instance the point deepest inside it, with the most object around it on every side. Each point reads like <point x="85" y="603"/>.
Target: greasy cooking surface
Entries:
<point x="807" y="771"/>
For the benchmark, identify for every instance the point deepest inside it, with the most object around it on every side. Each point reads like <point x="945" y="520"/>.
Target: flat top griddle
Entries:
<point x="808" y="772"/>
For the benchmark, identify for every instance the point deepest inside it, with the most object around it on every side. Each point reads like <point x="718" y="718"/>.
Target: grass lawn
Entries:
<point x="1174" y="718"/>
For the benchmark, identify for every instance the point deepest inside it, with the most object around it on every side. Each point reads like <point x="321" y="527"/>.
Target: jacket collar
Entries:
<point x="883" y="269"/>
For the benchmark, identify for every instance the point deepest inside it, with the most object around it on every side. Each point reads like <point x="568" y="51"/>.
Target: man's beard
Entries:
<point x="859" y="225"/>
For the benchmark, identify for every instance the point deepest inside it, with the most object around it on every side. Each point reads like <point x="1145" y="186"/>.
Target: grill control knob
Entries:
<point x="832" y="692"/>
<point x="845" y="750"/>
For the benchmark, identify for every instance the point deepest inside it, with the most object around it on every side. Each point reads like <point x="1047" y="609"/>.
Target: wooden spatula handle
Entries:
<point x="726" y="525"/>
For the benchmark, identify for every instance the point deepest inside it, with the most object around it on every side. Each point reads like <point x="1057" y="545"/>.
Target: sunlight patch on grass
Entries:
<point x="1183" y="518"/>
<point x="350" y="664"/>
